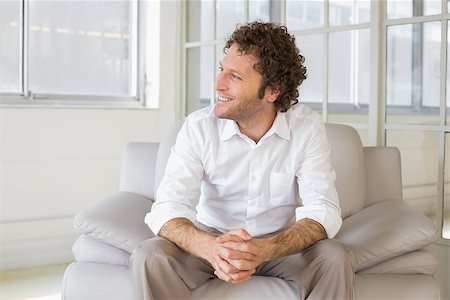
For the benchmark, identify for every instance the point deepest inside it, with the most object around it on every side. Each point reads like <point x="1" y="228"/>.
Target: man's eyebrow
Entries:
<point x="232" y="70"/>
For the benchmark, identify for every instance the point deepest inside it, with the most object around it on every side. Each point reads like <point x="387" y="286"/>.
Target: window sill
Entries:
<point x="70" y="104"/>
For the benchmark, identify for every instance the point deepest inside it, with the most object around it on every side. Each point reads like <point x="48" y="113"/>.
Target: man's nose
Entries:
<point x="221" y="82"/>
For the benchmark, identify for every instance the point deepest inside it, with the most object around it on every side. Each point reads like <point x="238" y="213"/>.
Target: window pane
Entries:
<point x="200" y="18"/>
<point x="304" y="14"/>
<point x="431" y="64"/>
<point x="80" y="47"/>
<point x="229" y="14"/>
<point x="200" y="74"/>
<point x="412" y="8"/>
<point x="10" y="46"/>
<point x="344" y="12"/>
<point x="259" y="10"/>
<point x="349" y="59"/>
<point x="446" y="212"/>
<point x="419" y="154"/>
<point x="413" y="72"/>
<point x="311" y="47"/>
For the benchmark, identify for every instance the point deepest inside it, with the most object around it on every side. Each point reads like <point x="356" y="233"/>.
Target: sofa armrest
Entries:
<point x="385" y="230"/>
<point x="117" y="221"/>
<point x="383" y="174"/>
<point x="137" y="173"/>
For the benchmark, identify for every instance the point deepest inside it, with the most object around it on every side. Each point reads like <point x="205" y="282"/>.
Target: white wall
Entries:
<point x="54" y="162"/>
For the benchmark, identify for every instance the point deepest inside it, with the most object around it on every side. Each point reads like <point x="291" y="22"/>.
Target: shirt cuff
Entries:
<point x="164" y="212"/>
<point x="329" y="218"/>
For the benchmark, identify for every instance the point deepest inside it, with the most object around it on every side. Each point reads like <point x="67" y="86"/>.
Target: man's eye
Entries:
<point x="220" y="69"/>
<point x="235" y="76"/>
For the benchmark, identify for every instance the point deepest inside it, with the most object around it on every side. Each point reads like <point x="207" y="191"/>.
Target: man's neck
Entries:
<point x="258" y="126"/>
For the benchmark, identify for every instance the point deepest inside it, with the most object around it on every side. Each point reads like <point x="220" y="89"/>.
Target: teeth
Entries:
<point x="224" y="99"/>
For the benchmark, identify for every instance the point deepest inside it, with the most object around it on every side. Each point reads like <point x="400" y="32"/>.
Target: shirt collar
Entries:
<point x="231" y="128"/>
<point x="280" y="127"/>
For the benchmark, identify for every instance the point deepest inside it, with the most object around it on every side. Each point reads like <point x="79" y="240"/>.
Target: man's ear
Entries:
<point x="273" y="93"/>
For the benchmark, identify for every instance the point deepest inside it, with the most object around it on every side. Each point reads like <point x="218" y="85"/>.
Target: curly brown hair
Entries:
<point x="280" y="62"/>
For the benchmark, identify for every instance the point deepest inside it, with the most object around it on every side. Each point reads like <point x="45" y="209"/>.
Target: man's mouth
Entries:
<point x="224" y="99"/>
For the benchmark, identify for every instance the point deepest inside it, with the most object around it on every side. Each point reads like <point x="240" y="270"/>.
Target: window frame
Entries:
<point x="137" y="99"/>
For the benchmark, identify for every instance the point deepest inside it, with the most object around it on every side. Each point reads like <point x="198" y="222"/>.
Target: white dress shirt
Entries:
<point x="221" y="178"/>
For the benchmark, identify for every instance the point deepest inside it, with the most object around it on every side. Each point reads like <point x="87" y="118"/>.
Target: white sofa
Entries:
<point x="388" y="238"/>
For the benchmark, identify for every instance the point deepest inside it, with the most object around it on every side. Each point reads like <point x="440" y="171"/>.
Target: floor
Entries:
<point x="43" y="283"/>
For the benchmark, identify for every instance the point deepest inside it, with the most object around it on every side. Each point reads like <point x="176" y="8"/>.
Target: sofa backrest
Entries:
<point x="137" y="172"/>
<point x="383" y="174"/>
<point x="346" y="157"/>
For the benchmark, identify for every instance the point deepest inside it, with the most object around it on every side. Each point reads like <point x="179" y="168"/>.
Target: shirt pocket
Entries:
<point x="281" y="188"/>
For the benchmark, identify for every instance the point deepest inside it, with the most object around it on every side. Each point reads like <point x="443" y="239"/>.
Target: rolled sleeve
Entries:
<point x="329" y="218"/>
<point x="164" y="212"/>
<point x="316" y="181"/>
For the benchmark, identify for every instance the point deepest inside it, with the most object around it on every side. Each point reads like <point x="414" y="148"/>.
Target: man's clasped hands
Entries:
<point x="235" y="256"/>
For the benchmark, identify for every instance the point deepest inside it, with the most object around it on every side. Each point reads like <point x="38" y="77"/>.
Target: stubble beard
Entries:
<point x="241" y="112"/>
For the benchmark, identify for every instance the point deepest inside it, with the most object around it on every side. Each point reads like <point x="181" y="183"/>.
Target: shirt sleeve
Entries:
<point x="178" y="193"/>
<point x="316" y="181"/>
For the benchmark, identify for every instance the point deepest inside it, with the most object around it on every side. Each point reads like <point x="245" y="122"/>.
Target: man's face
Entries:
<point x="237" y="86"/>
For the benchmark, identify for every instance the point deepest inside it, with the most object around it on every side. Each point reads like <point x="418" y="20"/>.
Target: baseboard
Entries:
<point x="29" y="253"/>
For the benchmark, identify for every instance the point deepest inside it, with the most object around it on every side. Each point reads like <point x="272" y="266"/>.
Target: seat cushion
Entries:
<point x="395" y="287"/>
<point x="117" y="221"/>
<point x="385" y="230"/>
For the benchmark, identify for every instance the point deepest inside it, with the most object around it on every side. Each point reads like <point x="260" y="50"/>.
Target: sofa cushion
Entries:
<point x="89" y="250"/>
<point x="395" y="287"/>
<point x="117" y="221"/>
<point x="419" y="262"/>
<point x="385" y="230"/>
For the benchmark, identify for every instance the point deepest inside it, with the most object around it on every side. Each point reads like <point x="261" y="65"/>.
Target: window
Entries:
<point x="70" y="52"/>
<point x="380" y="66"/>
<point x="415" y="119"/>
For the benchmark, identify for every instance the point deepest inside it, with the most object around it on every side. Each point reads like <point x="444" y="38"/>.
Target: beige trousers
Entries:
<point x="323" y="271"/>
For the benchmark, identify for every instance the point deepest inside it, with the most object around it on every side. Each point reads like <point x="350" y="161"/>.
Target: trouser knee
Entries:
<point x="151" y="249"/>
<point x="334" y="253"/>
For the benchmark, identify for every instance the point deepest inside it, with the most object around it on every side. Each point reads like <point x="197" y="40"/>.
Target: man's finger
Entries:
<point x="243" y="247"/>
<point x="242" y="265"/>
<point x="224" y="266"/>
<point x="228" y="253"/>
<point x="229" y="238"/>
<point x="242" y="233"/>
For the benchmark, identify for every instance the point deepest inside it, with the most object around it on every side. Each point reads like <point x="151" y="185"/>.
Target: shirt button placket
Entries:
<point x="252" y="191"/>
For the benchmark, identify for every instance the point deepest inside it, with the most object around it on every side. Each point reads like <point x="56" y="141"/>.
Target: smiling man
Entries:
<point x="248" y="189"/>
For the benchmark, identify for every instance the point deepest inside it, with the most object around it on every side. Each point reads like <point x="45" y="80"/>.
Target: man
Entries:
<point x="228" y="205"/>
